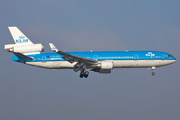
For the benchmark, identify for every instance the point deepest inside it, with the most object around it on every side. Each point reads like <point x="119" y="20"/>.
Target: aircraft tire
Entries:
<point x="81" y="75"/>
<point x="153" y="73"/>
<point x="86" y="74"/>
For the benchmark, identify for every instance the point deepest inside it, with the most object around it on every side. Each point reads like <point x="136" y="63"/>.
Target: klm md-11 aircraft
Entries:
<point x="98" y="61"/>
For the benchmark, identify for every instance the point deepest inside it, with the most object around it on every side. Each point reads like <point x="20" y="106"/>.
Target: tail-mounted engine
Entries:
<point x="24" y="48"/>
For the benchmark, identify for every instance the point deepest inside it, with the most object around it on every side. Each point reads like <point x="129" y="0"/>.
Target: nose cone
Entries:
<point x="173" y="60"/>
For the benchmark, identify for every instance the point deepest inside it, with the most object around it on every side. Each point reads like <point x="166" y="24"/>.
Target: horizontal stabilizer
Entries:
<point x="21" y="56"/>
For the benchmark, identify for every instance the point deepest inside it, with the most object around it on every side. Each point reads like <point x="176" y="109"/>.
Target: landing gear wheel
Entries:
<point x="153" y="73"/>
<point x="81" y="76"/>
<point x="86" y="73"/>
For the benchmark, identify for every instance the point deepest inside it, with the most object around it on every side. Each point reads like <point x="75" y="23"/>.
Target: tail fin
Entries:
<point x="18" y="36"/>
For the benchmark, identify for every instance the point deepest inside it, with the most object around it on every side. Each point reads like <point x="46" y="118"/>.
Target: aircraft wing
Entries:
<point x="21" y="56"/>
<point x="72" y="58"/>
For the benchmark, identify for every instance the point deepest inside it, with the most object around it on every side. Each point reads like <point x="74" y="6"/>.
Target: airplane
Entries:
<point x="98" y="61"/>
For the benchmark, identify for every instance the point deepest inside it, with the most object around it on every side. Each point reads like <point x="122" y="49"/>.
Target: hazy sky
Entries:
<point x="30" y="93"/>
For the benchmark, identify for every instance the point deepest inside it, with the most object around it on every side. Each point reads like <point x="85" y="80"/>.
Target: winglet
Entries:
<point x="53" y="48"/>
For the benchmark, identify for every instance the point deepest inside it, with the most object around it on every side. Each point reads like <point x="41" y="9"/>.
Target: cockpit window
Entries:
<point x="170" y="56"/>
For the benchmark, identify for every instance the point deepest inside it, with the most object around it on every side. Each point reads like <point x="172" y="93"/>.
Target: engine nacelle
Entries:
<point x="107" y="65"/>
<point x="104" y="71"/>
<point x="104" y="67"/>
<point x="24" y="48"/>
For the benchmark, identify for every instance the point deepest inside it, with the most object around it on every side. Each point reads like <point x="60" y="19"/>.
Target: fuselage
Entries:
<point x="127" y="59"/>
<point x="27" y="52"/>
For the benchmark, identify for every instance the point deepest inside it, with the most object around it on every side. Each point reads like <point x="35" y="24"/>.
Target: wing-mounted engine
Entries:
<point x="104" y="67"/>
<point x="24" y="48"/>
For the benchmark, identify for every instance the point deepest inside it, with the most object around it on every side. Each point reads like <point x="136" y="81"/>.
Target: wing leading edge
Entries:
<point x="81" y="61"/>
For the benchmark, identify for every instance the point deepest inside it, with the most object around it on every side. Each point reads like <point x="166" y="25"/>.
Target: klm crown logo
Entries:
<point x="21" y="39"/>
<point x="150" y="54"/>
<point x="53" y="48"/>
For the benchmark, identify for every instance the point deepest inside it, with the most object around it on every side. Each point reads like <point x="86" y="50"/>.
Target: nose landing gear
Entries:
<point x="153" y="68"/>
<point x="153" y="73"/>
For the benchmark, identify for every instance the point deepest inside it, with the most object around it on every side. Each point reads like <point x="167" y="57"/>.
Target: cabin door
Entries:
<point x="95" y="57"/>
<point x="136" y="57"/>
<point x="163" y="57"/>
<point x="43" y="58"/>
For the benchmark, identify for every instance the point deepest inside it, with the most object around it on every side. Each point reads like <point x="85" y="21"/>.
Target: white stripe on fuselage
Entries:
<point x="116" y="64"/>
<point x="141" y="63"/>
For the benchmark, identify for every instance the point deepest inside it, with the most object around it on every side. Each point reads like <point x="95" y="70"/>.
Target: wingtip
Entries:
<point x="53" y="48"/>
<point x="11" y="27"/>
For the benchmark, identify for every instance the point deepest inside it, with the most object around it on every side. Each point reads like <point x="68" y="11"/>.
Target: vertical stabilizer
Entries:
<point x="19" y="37"/>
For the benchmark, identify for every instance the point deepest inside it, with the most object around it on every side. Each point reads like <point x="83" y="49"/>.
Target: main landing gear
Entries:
<point x="153" y="68"/>
<point x="84" y="74"/>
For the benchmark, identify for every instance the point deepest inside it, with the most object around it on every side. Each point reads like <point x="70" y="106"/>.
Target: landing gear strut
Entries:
<point x="84" y="74"/>
<point x="153" y="68"/>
